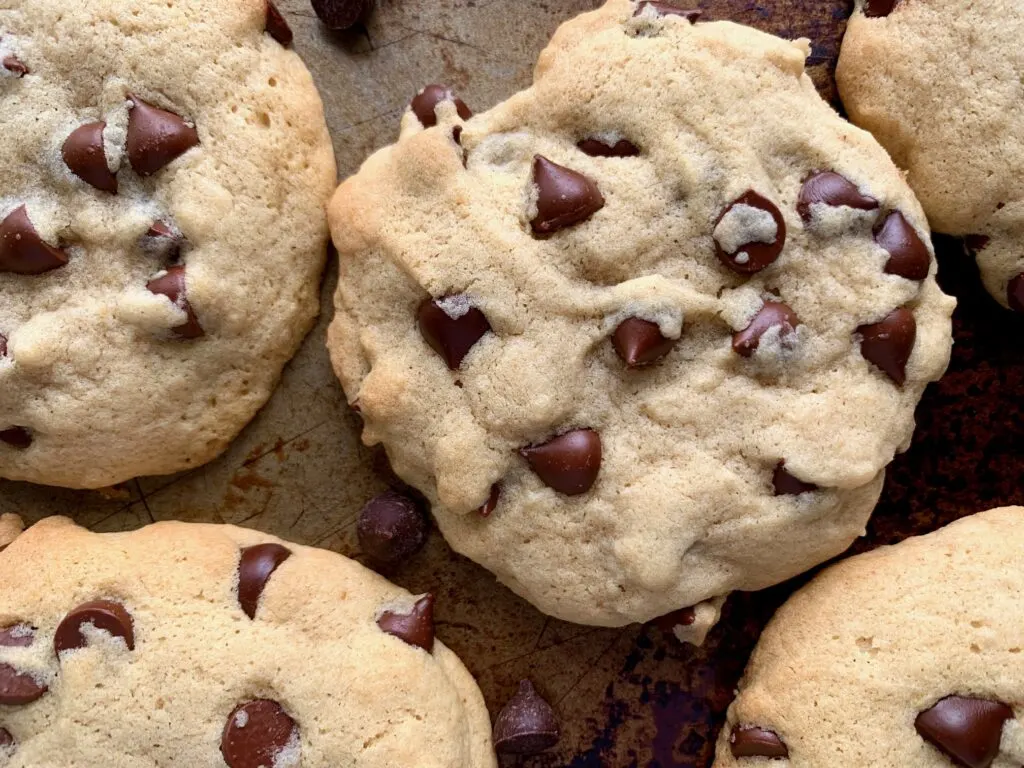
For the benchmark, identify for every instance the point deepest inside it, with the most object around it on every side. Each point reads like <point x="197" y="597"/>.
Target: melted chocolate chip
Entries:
<point x="156" y="137"/>
<point x="598" y="148"/>
<point x="491" y="504"/>
<point x="163" y="240"/>
<point x="889" y="342"/>
<point x="751" y="741"/>
<point x="753" y="256"/>
<point x="16" y="437"/>
<point x="172" y="285"/>
<point x="277" y="26"/>
<point x="17" y="636"/>
<point x="639" y="342"/>
<point x="107" y="615"/>
<point x="22" y="250"/>
<point x="416" y="627"/>
<point x="255" y="567"/>
<point x="786" y="484"/>
<point x="568" y="463"/>
<point x="391" y="528"/>
<point x="83" y="153"/>
<point x="966" y="729"/>
<point x="6" y="741"/>
<point x="256" y="733"/>
<point x="15" y="66"/>
<point x="1015" y="293"/>
<point x="667" y="9"/>
<point x="526" y="725"/>
<point x="451" y="337"/>
<point x="876" y="8"/>
<point x="17" y="688"/>
<point x="564" y="198"/>
<point x="774" y="314"/>
<point x="425" y="103"/>
<point x="908" y="256"/>
<point x="829" y="188"/>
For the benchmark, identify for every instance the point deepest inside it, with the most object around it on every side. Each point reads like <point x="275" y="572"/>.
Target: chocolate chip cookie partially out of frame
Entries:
<point x="640" y="339"/>
<point x="939" y="85"/>
<point x="208" y="645"/>
<point x="161" y="230"/>
<point x="905" y="657"/>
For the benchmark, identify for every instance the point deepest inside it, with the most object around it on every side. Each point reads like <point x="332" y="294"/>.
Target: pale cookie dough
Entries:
<point x="202" y="646"/>
<point x="618" y="402"/>
<point x="163" y="177"/>
<point x="906" y="657"/>
<point x="940" y="83"/>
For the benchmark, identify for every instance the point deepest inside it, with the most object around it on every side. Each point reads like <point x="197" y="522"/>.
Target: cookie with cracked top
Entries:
<point x="637" y="362"/>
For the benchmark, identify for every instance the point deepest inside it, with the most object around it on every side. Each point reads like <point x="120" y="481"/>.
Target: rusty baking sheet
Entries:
<point x="628" y="697"/>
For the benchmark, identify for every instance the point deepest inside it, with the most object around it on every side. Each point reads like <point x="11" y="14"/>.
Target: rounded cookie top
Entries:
<point x="648" y="331"/>
<point x="906" y="656"/>
<point x="162" y="179"/>
<point x="939" y="85"/>
<point x="207" y="645"/>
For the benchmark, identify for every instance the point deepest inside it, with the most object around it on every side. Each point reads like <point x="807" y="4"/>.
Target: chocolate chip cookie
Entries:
<point x="647" y="332"/>
<point x="208" y="645"/>
<point x="163" y="175"/>
<point x="939" y="85"/>
<point x="906" y="656"/>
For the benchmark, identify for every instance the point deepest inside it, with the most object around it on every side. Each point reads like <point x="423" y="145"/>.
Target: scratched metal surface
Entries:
<point x="626" y="697"/>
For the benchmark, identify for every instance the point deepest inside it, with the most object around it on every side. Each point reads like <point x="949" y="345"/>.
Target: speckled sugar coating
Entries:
<point x="681" y="507"/>
<point x="97" y="379"/>
<point x="849" y="664"/>
<point x="356" y="695"/>
<point x="899" y="69"/>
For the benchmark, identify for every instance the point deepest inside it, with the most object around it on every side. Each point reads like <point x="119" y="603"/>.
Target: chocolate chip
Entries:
<point x="256" y="734"/>
<point x="425" y="103"/>
<point x="564" y="198"/>
<point x="789" y="485"/>
<point x="888" y="343"/>
<point x="908" y="256"/>
<point x="640" y="342"/>
<point x="491" y="504"/>
<point x="751" y="741"/>
<point x="876" y="8"/>
<point x="163" y="240"/>
<point x="416" y="627"/>
<point x="108" y="615"/>
<point x="391" y="528"/>
<point x="277" y="26"/>
<point x="17" y="688"/>
<point x="341" y="14"/>
<point x="976" y="243"/>
<point x="774" y="314"/>
<point x="17" y="636"/>
<point x="568" y="463"/>
<point x="83" y="153"/>
<point x="15" y="66"/>
<point x="451" y="326"/>
<point x="16" y="437"/>
<point x="172" y="285"/>
<point x="829" y="188"/>
<point x="667" y="9"/>
<point x="752" y="255"/>
<point x="22" y="250"/>
<point x="966" y="729"/>
<point x="156" y="137"/>
<point x="255" y="567"/>
<point x="6" y="741"/>
<point x="526" y="725"/>
<point x="1015" y="293"/>
<point x="598" y="148"/>
<point x="3" y="346"/>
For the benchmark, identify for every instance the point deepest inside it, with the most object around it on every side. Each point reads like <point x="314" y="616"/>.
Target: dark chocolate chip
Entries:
<point x="163" y="240"/>
<point x="255" y="567"/>
<point x="16" y="437"/>
<point x="568" y="463"/>
<point x="876" y="8"/>
<point x="83" y="153"/>
<point x="17" y="636"/>
<point x="6" y="741"/>
<point x="391" y="528"/>
<point x="751" y="741"/>
<point x="889" y="342"/>
<point x="526" y="725"/>
<point x="1015" y="293"/>
<point x="774" y="314"/>
<point x="425" y="103"/>
<point x="341" y="14"/>
<point x="17" y="688"/>
<point x="277" y="26"/>
<point x="416" y="627"/>
<point x="966" y="729"/>
<point x="908" y="255"/>
<point x="156" y="137"/>
<point x="491" y="504"/>
<point x="22" y="250"/>
<point x="564" y="197"/>
<point x="639" y="342"/>
<point x="667" y="9"/>
<point x="829" y="188"/>
<point x="15" y="66"/>
<point x="598" y="148"/>
<point x="789" y="485"/>
<point x="753" y="256"/>
<point x="172" y="285"/>
<point x="451" y="335"/>
<point x="3" y="345"/>
<point x="108" y="615"/>
<point x="256" y="733"/>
